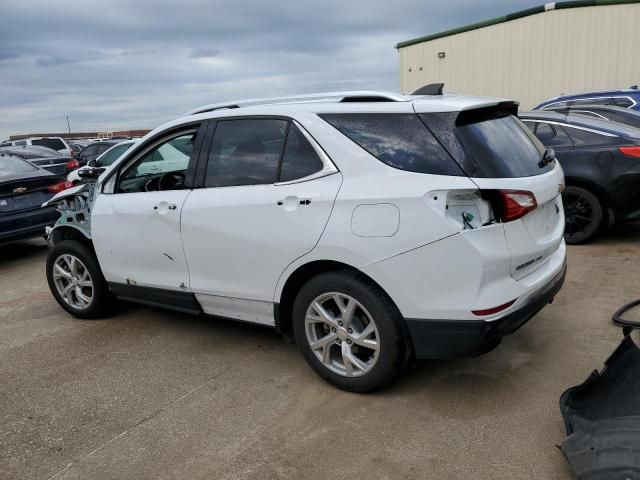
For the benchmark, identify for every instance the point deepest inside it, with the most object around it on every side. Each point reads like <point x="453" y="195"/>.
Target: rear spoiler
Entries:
<point x="475" y="115"/>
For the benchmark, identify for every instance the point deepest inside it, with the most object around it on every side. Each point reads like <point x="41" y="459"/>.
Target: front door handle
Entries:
<point x="163" y="207"/>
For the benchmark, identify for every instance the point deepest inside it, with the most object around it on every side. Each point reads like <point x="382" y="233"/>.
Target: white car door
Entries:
<point x="136" y="228"/>
<point x="267" y="195"/>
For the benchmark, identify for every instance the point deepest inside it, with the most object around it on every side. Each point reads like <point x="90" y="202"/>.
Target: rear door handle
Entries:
<point x="293" y="201"/>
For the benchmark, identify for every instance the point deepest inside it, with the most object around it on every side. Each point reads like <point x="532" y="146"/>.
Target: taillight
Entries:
<point x="630" y="151"/>
<point x="516" y="204"/>
<point x="72" y="164"/>
<point x="59" y="187"/>
<point x="491" y="311"/>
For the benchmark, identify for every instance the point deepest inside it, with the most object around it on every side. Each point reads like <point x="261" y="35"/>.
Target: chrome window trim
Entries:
<point x="552" y="122"/>
<point x="586" y="100"/>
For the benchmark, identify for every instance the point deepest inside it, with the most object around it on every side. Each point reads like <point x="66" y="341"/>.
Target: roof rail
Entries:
<point x="349" y="96"/>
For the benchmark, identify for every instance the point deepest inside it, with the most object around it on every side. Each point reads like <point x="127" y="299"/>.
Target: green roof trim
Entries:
<point x="513" y="16"/>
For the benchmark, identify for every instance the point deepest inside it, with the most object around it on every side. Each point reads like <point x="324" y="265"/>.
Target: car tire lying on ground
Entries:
<point x="349" y="331"/>
<point x="76" y="281"/>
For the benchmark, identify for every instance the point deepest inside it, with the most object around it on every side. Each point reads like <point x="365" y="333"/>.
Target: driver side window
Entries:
<point x="161" y="168"/>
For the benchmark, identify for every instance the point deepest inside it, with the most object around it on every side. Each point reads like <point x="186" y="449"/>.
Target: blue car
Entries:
<point x="629" y="98"/>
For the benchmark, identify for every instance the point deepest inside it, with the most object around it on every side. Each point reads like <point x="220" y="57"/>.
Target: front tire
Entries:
<point x="583" y="215"/>
<point x="349" y="331"/>
<point x="76" y="281"/>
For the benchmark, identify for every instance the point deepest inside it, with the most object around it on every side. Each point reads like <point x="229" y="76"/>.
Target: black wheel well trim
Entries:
<point x="282" y="310"/>
<point x="69" y="232"/>
<point x="592" y="187"/>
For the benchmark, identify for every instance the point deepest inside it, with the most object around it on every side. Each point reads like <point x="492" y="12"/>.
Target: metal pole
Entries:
<point x="68" y="126"/>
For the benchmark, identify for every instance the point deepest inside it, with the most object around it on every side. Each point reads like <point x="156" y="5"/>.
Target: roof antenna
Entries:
<point x="431" y="89"/>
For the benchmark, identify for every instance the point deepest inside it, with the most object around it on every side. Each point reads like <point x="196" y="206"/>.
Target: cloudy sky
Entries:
<point x="113" y="64"/>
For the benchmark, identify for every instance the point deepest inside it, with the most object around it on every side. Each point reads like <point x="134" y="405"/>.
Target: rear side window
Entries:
<point x="592" y="101"/>
<point x="400" y="140"/>
<point x="54" y="143"/>
<point x="552" y="135"/>
<point x="245" y="152"/>
<point x="585" y="138"/>
<point x="624" y="102"/>
<point x="299" y="159"/>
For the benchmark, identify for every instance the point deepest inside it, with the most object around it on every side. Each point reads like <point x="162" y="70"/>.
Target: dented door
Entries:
<point x="137" y="238"/>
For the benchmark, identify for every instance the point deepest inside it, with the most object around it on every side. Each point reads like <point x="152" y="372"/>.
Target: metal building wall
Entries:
<point x="533" y="58"/>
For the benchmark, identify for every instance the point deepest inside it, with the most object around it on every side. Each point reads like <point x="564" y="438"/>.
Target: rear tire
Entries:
<point x="583" y="215"/>
<point x="349" y="331"/>
<point x="76" y="281"/>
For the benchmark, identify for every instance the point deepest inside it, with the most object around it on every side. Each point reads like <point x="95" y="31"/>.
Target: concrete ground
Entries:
<point x="154" y="394"/>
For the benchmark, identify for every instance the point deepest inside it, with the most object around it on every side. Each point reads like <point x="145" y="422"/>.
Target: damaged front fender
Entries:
<point x="74" y="205"/>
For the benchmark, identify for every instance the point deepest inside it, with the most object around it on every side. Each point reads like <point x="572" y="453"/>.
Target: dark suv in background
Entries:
<point x="629" y="98"/>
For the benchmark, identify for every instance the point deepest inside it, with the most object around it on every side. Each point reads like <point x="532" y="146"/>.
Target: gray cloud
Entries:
<point x="139" y="63"/>
<point x="204" y="53"/>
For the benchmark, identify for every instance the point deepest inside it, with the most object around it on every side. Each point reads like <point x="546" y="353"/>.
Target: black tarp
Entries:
<point x="602" y="418"/>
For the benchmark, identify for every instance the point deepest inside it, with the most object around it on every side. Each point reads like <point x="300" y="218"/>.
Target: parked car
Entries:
<point x="55" y="143"/>
<point x="77" y="147"/>
<point x="601" y="162"/>
<point x="23" y="189"/>
<point x="94" y="150"/>
<point x="103" y="161"/>
<point x="373" y="226"/>
<point x="629" y="98"/>
<point x="625" y="116"/>
<point x="46" y="158"/>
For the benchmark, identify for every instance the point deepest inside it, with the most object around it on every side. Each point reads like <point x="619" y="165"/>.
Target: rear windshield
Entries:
<point x="489" y="143"/>
<point x="54" y="143"/>
<point x="401" y="141"/>
<point x="10" y="165"/>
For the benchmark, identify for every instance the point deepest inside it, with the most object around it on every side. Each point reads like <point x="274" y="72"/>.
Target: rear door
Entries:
<point x="499" y="152"/>
<point x="266" y="195"/>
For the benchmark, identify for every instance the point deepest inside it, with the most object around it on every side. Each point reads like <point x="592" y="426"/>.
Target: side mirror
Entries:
<point x="92" y="163"/>
<point x="90" y="173"/>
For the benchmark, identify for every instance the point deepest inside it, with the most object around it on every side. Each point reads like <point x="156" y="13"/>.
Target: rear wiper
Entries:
<point x="547" y="157"/>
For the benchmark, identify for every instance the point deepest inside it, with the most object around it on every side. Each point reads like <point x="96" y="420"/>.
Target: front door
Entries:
<point x="136" y="228"/>
<point x="266" y="198"/>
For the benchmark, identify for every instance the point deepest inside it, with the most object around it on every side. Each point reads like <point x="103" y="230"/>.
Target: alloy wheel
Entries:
<point x="342" y="334"/>
<point x="73" y="281"/>
<point x="579" y="215"/>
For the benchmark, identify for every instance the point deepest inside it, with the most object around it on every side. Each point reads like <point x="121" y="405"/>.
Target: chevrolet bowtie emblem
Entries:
<point x="20" y="190"/>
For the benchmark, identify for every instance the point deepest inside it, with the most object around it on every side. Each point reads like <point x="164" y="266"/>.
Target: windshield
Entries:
<point x="113" y="154"/>
<point x="10" y="165"/>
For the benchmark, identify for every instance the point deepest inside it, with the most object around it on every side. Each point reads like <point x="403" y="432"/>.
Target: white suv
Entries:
<point x="55" y="143"/>
<point x="374" y="227"/>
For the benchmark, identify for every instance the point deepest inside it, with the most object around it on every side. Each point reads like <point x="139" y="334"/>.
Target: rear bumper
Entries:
<point x="25" y="225"/>
<point x="440" y="339"/>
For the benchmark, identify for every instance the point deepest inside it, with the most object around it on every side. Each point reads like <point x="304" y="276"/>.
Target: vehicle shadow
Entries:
<point x="621" y="232"/>
<point x="22" y="250"/>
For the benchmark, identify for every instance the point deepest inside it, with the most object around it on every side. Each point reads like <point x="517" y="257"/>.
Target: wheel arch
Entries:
<point x="590" y="185"/>
<point x="303" y="273"/>
<point x="69" y="232"/>
<point x="607" y="209"/>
